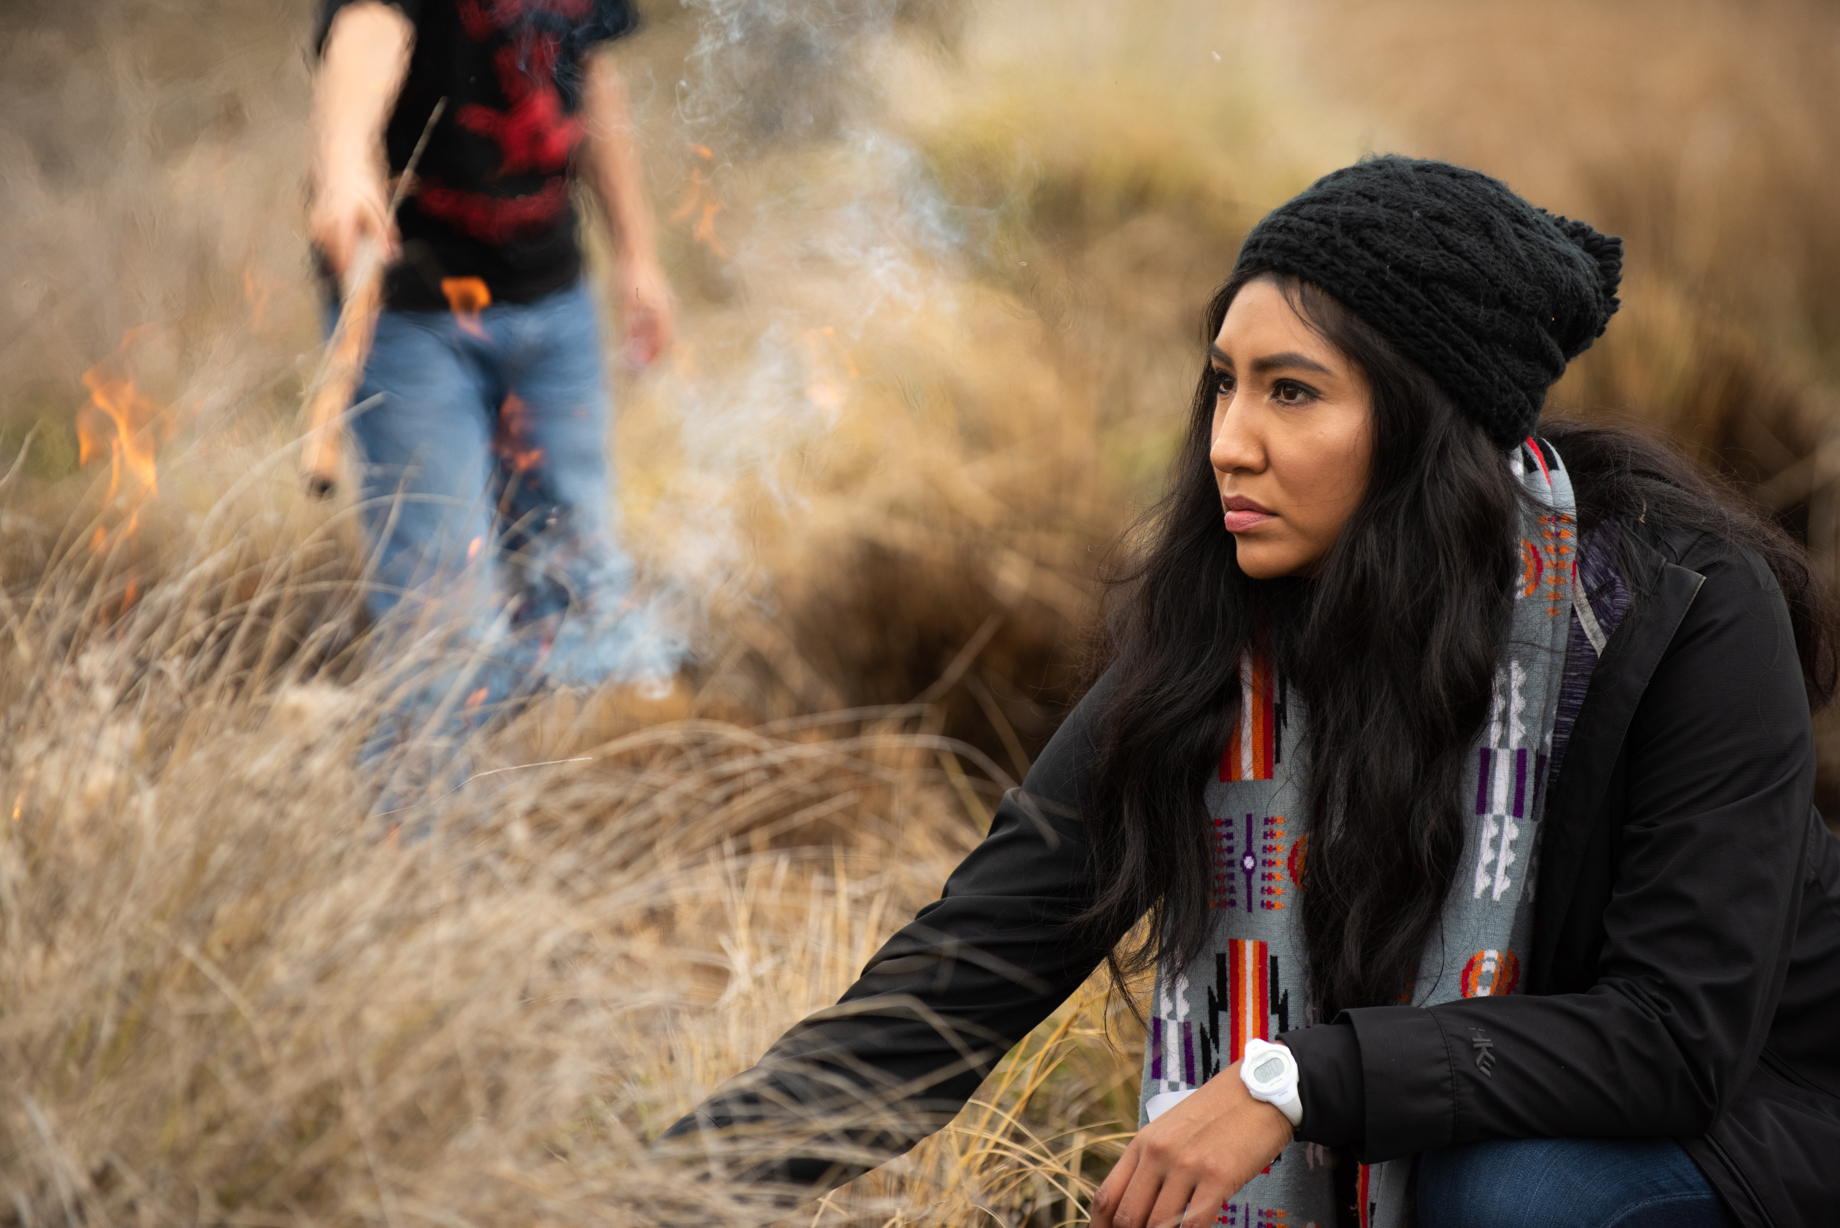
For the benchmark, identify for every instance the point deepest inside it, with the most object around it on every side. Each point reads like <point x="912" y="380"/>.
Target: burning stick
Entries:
<point x="329" y="396"/>
<point x="360" y="302"/>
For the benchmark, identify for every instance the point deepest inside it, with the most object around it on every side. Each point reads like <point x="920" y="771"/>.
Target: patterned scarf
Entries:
<point x="1250" y="983"/>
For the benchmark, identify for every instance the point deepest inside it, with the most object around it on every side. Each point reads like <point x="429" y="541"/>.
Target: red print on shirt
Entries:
<point x="494" y="219"/>
<point x="535" y="134"/>
<point x="483" y="18"/>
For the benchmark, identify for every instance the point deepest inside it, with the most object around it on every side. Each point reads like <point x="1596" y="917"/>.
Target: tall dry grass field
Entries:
<point x="941" y="264"/>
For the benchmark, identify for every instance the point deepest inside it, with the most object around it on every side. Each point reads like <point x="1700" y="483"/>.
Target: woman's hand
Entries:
<point x="1181" y="1167"/>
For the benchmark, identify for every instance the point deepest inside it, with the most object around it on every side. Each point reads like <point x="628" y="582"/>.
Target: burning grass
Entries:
<point x="934" y="353"/>
<point x="234" y="1000"/>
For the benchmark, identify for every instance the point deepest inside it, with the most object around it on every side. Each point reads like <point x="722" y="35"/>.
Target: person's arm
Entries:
<point x="1184" y="1165"/>
<point x="610" y="164"/>
<point x="935" y="1008"/>
<point x="364" y="58"/>
<point x="1718" y="776"/>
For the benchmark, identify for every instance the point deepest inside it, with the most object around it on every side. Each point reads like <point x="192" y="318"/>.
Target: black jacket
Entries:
<point x="1684" y="981"/>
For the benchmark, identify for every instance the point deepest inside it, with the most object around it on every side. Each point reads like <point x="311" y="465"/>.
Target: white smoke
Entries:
<point x="860" y="240"/>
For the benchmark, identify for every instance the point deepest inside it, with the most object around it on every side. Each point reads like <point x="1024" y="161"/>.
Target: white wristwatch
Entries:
<point x="1270" y="1073"/>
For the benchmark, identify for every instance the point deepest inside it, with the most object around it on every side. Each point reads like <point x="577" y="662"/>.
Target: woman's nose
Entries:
<point x="1235" y="448"/>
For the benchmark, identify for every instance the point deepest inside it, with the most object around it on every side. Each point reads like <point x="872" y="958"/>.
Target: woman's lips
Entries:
<point x="1243" y="514"/>
<point x="1239" y="522"/>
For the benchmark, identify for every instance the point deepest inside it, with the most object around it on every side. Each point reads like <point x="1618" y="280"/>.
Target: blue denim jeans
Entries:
<point x="1566" y="1183"/>
<point x="481" y="449"/>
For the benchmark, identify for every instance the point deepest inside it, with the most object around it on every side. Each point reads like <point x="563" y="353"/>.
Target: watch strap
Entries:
<point x="1288" y="1099"/>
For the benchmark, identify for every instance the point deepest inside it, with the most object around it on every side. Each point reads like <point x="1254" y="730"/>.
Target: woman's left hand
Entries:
<point x="1181" y="1167"/>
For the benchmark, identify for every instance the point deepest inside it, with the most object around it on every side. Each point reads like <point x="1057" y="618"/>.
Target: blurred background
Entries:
<point x="942" y="264"/>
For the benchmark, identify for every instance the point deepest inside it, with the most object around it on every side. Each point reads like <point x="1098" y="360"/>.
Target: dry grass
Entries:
<point x="235" y="999"/>
<point x="238" y="1000"/>
<point x="935" y="366"/>
<point x="1688" y="128"/>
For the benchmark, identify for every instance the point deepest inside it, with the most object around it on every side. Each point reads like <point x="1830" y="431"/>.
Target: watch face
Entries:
<point x="1269" y="1070"/>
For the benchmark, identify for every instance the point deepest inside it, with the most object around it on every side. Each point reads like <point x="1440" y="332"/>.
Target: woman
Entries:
<point x="1471" y="767"/>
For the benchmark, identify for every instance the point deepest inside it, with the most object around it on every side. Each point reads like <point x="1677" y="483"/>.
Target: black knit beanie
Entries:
<point x="1488" y="294"/>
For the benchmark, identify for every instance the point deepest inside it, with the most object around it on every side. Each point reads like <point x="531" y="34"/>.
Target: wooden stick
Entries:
<point x="329" y="396"/>
<point x="342" y="366"/>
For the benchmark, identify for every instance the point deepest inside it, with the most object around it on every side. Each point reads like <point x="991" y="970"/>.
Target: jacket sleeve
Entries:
<point x="935" y="1008"/>
<point x="1715" y="783"/>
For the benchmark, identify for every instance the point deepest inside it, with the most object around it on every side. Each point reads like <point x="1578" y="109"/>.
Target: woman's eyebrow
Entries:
<point x="1289" y="359"/>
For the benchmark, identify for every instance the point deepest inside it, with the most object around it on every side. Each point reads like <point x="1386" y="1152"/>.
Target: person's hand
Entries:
<point x="362" y="67"/>
<point x="650" y="312"/>
<point x="349" y="205"/>
<point x="1181" y="1167"/>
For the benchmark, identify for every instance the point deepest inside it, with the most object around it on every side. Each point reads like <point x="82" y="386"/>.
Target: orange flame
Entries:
<point x="120" y="418"/>
<point x="19" y="805"/>
<point x="831" y="370"/>
<point x="701" y="201"/>
<point x="512" y="442"/>
<point x="466" y="298"/>
<point x="472" y="704"/>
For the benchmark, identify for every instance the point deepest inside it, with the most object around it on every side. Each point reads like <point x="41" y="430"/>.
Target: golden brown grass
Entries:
<point x="236" y="999"/>
<point x="935" y="369"/>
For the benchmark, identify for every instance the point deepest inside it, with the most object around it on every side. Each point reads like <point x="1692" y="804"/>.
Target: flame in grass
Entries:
<point x="701" y="203"/>
<point x="120" y="419"/>
<point x="830" y="370"/>
<point x="512" y="440"/>
<point x="466" y="298"/>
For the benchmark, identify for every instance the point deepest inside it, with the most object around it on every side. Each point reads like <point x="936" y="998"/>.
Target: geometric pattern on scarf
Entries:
<point x="1250" y="983"/>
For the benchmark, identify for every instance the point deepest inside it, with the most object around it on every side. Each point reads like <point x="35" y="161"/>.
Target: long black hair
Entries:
<point x="1391" y="647"/>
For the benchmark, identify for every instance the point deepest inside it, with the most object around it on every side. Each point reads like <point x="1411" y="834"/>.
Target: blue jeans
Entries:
<point x="1566" y="1183"/>
<point x="485" y="490"/>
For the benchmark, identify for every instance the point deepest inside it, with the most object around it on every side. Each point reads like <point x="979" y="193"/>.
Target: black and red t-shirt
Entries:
<point x="493" y="196"/>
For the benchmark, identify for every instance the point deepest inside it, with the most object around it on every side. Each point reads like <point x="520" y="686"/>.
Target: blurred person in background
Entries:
<point x="482" y="418"/>
<point x="1460" y="763"/>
